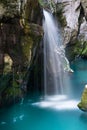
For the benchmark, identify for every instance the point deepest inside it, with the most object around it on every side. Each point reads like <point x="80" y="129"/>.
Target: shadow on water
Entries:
<point x="83" y="118"/>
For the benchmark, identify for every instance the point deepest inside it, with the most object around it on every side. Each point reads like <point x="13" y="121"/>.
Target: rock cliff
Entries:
<point x="72" y="15"/>
<point x="20" y="36"/>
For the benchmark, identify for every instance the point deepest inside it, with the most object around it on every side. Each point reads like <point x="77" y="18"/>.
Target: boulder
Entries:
<point x="83" y="104"/>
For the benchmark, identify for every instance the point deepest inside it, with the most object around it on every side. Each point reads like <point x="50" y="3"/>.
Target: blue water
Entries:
<point x="27" y="116"/>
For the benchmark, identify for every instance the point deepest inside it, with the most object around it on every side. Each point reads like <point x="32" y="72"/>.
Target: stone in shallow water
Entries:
<point x="83" y="104"/>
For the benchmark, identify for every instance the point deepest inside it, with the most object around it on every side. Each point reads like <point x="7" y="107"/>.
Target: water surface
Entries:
<point x="32" y="115"/>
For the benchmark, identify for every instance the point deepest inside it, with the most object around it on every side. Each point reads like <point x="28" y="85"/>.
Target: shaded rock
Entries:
<point x="2" y="10"/>
<point x="33" y="12"/>
<point x="20" y="36"/>
<point x="15" y="28"/>
<point x="1" y="62"/>
<point x="10" y="34"/>
<point x="33" y="30"/>
<point x="84" y="4"/>
<point x="83" y="30"/>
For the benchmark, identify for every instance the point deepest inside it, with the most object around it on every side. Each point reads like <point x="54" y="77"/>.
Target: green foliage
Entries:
<point x="79" y="48"/>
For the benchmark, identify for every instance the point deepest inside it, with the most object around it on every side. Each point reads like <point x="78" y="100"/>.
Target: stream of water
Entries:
<point x="55" y="61"/>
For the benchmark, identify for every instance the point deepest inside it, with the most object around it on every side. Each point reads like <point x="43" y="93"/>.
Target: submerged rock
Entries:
<point x="83" y="104"/>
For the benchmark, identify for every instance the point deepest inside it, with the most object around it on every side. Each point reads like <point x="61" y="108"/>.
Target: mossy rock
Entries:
<point x="84" y="52"/>
<point x="61" y="18"/>
<point x="74" y="50"/>
<point x="33" y="30"/>
<point x="27" y="44"/>
<point x="32" y="11"/>
<point x="77" y="49"/>
<point x="44" y="4"/>
<point x="83" y="104"/>
<point x="11" y="95"/>
<point x="82" y="107"/>
<point x="5" y="81"/>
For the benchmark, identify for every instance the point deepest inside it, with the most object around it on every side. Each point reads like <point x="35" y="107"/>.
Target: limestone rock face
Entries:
<point x="84" y="4"/>
<point x="73" y="19"/>
<point x="10" y="8"/>
<point x="72" y="15"/>
<point x="19" y="20"/>
<point x="70" y="11"/>
<point x="83" y="30"/>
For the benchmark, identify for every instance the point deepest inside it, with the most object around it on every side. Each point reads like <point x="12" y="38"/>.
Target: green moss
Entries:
<point x="73" y="50"/>
<point x="33" y="34"/>
<point x="84" y="52"/>
<point x="27" y="44"/>
<point x="13" y="91"/>
<point x="42" y="3"/>
<point x="10" y="95"/>
<point x="84" y="97"/>
<point x="83" y="104"/>
<point x="10" y="89"/>
<point x="61" y="17"/>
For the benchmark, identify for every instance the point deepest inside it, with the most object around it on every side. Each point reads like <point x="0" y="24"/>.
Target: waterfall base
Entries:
<point x="57" y="102"/>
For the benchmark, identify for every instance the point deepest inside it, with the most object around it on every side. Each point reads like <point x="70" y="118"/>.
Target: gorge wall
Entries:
<point x="21" y="34"/>
<point x="72" y="15"/>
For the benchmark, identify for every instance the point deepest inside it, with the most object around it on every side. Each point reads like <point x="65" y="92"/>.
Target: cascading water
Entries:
<point x="57" y="87"/>
<point x="58" y="91"/>
<point x="55" y="62"/>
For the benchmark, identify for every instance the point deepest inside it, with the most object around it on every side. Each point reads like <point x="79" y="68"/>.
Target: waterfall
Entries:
<point x="55" y="62"/>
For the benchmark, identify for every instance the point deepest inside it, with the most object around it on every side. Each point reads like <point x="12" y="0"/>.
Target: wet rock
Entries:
<point x="83" y="31"/>
<point x="20" y="36"/>
<point x="84" y="4"/>
<point x="70" y="10"/>
<point x="83" y="104"/>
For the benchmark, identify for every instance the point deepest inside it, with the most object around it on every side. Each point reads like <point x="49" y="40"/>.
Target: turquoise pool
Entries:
<point x="35" y="114"/>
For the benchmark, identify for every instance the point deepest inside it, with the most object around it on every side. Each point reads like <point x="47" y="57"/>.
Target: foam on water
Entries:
<point x="56" y="102"/>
